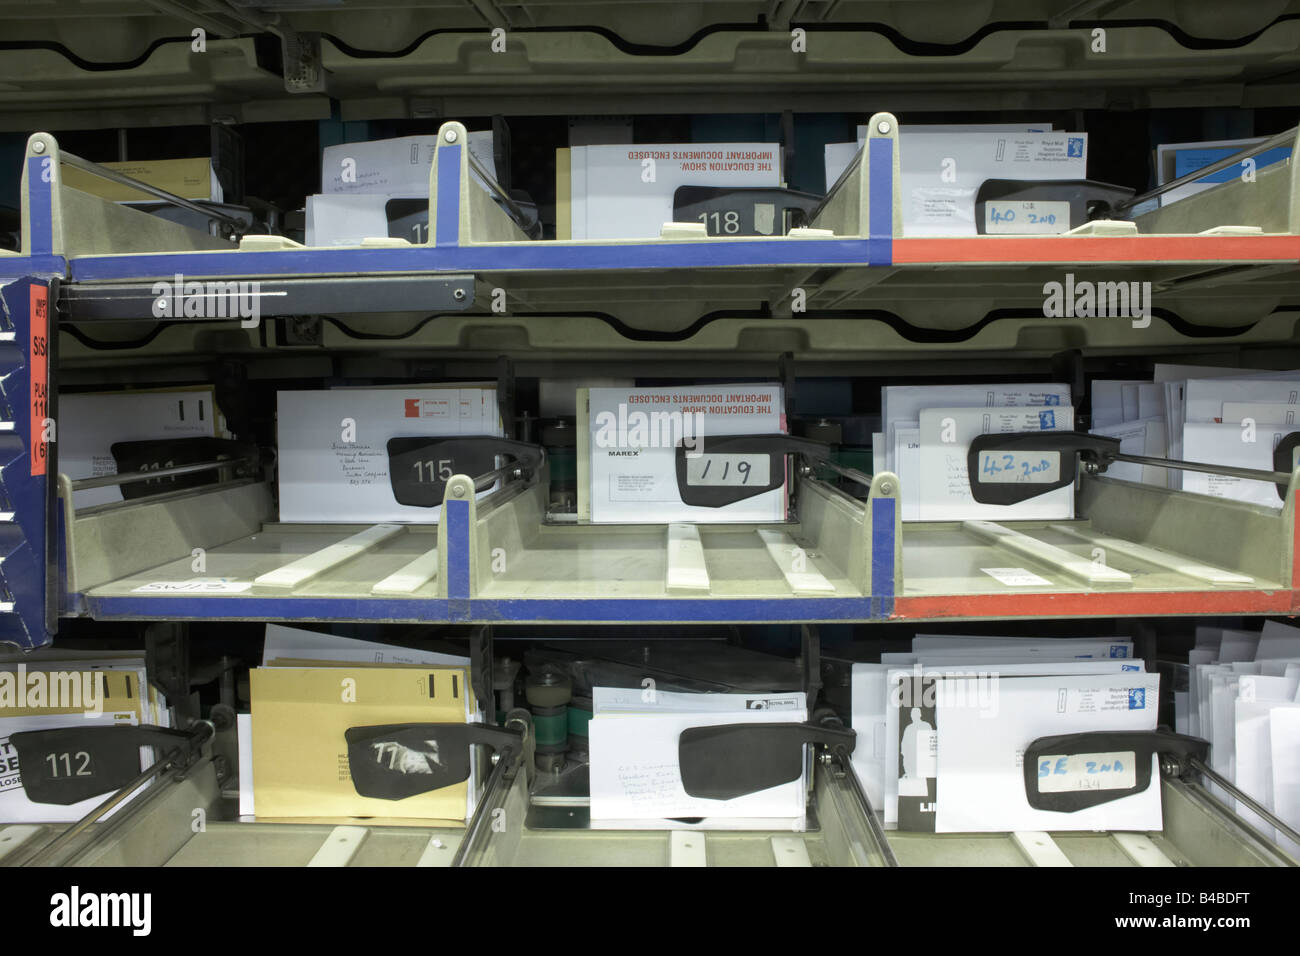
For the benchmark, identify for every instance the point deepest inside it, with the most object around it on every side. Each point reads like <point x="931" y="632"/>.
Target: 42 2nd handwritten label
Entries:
<point x="1104" y="771"/>
<point x="1009" y="467"/>
<point x="1022" y="217"/>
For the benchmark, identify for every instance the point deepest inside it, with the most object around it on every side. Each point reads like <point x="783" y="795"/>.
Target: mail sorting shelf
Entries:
<point x="549" y="71"/>
<point x="853" y="251"/>
<point x="155" y="828"/>
<point x="498" y="559"/>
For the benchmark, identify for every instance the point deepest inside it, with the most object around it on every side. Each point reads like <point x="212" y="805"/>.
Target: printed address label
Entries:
<point x="1017" y="577"/>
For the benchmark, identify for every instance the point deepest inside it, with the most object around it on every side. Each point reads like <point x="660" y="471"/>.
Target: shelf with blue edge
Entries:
<point x="218" y="553"/>
<point x="852" y="253"/>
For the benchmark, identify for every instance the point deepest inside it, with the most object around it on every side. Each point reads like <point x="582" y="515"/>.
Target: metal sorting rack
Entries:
<point x="131" y="561"/>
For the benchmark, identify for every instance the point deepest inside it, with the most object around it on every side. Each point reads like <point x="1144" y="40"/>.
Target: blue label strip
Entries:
<point x="447" y="232"/>
<point x="880" y="211"/>
<point x="882" y="555"/>
<point x="40" y="206"/>
<point x="504" y="610"/>
<point x="457" y="531"/>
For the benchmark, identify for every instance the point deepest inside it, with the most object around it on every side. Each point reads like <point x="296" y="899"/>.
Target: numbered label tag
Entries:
<point x="731" y="468"/>
<point x="1006" y="467"/>
<point x="158" y="454"/>
<point x="408" y="219"/>
<point x="418" y="468"/>
<point x="1026" y="218"/>
<point x="396" y="761"/>
<point x="710" y="471"/>
<point x="1067" y="773"/>
<point x="70" y="764"/>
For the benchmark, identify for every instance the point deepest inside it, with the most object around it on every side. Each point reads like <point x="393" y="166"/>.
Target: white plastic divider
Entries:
<point x="436" y="853"/>
<point x="1090" y="572"/>
<point x="298" y="572"/>
<point x="1161" y="559"/>
<point x="687" y="848"/>
<point x="686" y="569"/>
<point x="1040" y="848"/>
<point x="1139" y="848"/>
<point x="790" y="851"/>
<point x="340" y="846"/>
<point x="13" y="837"/>
<point x="410" y="577"/>
<point x="798" y="569"/>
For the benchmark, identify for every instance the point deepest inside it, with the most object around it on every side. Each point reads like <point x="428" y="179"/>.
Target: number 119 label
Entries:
<point x="727" y="470"/>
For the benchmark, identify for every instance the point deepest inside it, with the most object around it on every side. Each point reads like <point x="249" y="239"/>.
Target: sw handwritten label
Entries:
<point x="1073" y="772"/>
<point x="727" y="470"/>
<point x="1010" y="467"/>
<point x="194" y="586"/>
<point x="1021" y="218"/>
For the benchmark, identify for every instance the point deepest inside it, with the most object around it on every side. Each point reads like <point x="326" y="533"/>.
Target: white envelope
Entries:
<point x="942" y="172"/>
<point x="981" y="784"/>
<point x="978" y="689"/>
<point x="1257" y="698"/>
<point x="903" y="403"/>
<point x="613" y="196"/>
<point x="1108" y="402"/>
<point x="1264" y="413"/>
<point x="945" y="487"/>
<point x="1278" y="640"/>
<point x="635" y="773"/>
<point x="90" y="423"/>
<point x="1284" y="744"/>
<point x="320" y="473"/>
<point x="1226" y="445"/>
<point x="633" y="448"/>
<point x="1205" y="397"/>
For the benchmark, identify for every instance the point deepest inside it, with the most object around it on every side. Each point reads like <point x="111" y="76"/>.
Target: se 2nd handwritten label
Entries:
<point x="1103" y="771"/>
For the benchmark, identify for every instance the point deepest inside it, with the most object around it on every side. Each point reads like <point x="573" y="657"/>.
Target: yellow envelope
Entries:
<point x="300" y="757"/>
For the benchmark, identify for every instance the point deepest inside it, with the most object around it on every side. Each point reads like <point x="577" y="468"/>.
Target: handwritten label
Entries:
<point x="1061" y="773"/>
<point x="727" y="470"/>
<point x="194" y="586"/>
<point x="1009" y="467"/>
<point x="1038" y="218"/>
<point x="1017" y="577"/>
<point x="38" y="355"/>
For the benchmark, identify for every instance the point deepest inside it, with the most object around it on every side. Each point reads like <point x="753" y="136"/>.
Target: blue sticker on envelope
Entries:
<point x="1046" y="420"/>
<point x="1137" y="698"/>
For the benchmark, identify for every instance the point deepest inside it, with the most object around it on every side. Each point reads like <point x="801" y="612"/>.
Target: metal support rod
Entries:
<point x="495" y="189"/>
<point x="850" y="473"/>
<point x="877" y="831"/>
<point x="173" y="760"/>
<point x="1276" y="477"/>
<point x="68" y="159"/>
<point x="1264" y="812"/>
<point x="481" y="823"/>
<point x="1281" y="139"/>
<point x="514" y="469"/>
<point x="125" y="478"/>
